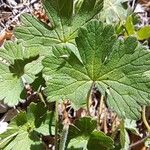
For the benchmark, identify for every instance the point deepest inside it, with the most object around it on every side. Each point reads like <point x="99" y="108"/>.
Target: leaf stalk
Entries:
<point x="144" y="119"/>
<point x="89" y="99"/>
<point x="56" y="125"/>
<point x="64" y="137"/>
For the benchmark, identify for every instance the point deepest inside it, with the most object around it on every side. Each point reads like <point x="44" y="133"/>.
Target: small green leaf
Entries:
<point x="39" y="111"/>
<point x="143" y="33"/>
<point x="131" y="125"/>
<point x="31" y="69"/>
<point x="21" y="119"/>
<point x="82" y="135"/>
<point x="113" y="11"/>
<point x="6" y="137"/>
<point x="129" y="26"/>
<point x="124" y="137"/>
<point x="22" y="141"/>
<point x="147" y="143"/>
<point x="15" y="71"/>
<point x="80" y="132"/>
<point x="116" y="67"/>
<point x="26" y="127"/>
<point x="78" y="143"/>
<point x="99" y="140"/>
<point x="36" y="33"/>
<point x="65" y="8"/>
<point x="83" y="126"/>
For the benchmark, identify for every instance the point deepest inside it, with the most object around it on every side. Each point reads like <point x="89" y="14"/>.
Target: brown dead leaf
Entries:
<point x="134" y="138"/>
<point x="41" y="15"/>
<point x="145" y="3"/>
<point x="5" y="35"/>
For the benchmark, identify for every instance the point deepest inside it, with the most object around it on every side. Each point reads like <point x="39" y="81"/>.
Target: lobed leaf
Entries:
<point x="99" y="139"/>
<point x="143" y="33"/>
<point x="113" y="11"/>
<point x="26" y="127"/>
<point x="84" y="136"/>
<point x="63" y="22"/>
<point x="118" y="68"/>
<point x="14" y="67"/>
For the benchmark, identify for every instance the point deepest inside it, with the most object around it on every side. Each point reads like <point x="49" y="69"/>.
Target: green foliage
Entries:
<point x="113" y="11"/>
<point x="99" y="139"/>
<point x="84" y="136"/>
<point x="124" y="137"/>
<point x="118" y="68"/>
<point x="74" y="53"/>
<point x="129" y="26"/>
<point x="142" y="34"/>
<point x="80" y="132"/>
<point x="83" y="126"/>
<point x="17" y="65"/>
<point x="147" y="143"/>
<point x="40" y="37"/>
<point x="25" y="129"/>
<point x="63" y="23"/>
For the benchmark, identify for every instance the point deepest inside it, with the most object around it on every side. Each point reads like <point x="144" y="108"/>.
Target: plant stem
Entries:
<point x="64" y="137"/>
<point x="133" y="5"/>
<point x="88" y="103"/>
<point x="144" y="119"/>
<point x="41" y="97"/>
<point x="56" y="125"/>
<point x="114" y="133"/>
<point x="100" y="110"/>
<point x="89" y="99"/>
<point x="101" y="104"/>
<point x="138" y="142"/>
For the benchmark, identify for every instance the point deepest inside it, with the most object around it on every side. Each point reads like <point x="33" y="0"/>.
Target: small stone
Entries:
<point x="3" y="127"/>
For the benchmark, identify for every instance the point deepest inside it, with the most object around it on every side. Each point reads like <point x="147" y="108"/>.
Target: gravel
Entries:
<point x="10" y="11"/>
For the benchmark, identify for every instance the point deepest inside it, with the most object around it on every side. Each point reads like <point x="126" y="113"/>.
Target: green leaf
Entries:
<point x="64" y="24"/>
<point x="15" y="67"/>
<point x="143" y="33"/>
<point x="80" y="132"/>
<point x="17" y="132"/>
<point x="124" y="137"/>
<point x="147" y="143"/>
<point x="33" y="68"/>
<point x="21" y="119"/>
<point x="99" y="140"/>
<point x="24" y="142"/>
<point x="117" y="67"/>
<point x="26" y="129"/>
<point x="83" y="126"/>
<point x="41" y="118"/>
<point x="131" y="125"/>
<point x="78" y="143"/>
<point x="7" y="137"/>
<point x="65" y="8"/>
<point x="129" y="26"/>
<point x="113" y="11"/>
<point x="82" y="136"/>
<point x="36" y="33"/>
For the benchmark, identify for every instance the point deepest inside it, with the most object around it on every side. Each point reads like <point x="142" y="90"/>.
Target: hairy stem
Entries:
<point x="100" y="111"/>
<point x="41" y="97"/>
<point x="64" y="137"/>
<point x="133" y="5"/>
<point x="56" y="125"/>
<point x="89" y="99"/>
<point x="144" y="119"/>
<point x="138" y="142"/>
